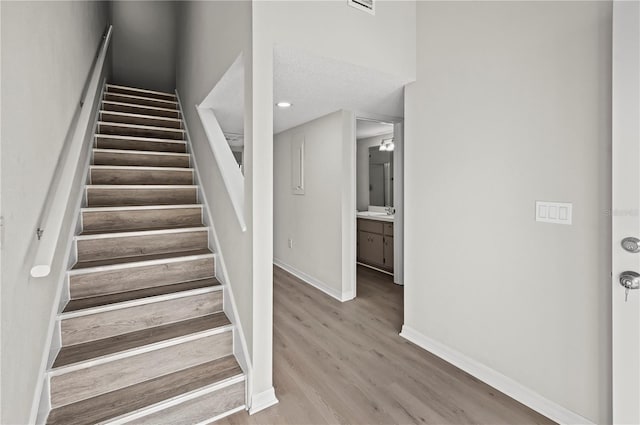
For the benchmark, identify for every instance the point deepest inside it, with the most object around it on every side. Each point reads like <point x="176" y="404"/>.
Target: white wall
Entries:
<point x="206" y="50"/>
<point x="512" y="104"/>
<point x="144" y="44"/>
<point x="314" y="220"/>
<point x="48" y="49"/>
<point x="362" y="168"/>
<point x="390" y="35"/>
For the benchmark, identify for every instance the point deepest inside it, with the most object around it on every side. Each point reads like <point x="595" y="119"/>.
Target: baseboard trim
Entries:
<point x="262" y="401"/>
<point x="342" y="297"/>
<point x="374" y="268"/>
<point x="495" y="379"/>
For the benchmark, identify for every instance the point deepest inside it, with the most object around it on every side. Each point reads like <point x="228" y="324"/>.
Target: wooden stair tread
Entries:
<point x="139" y="144"/>
<point x="140" y="175"/>
<point x="145" y="229"/>
<point x="89" y="350"/>
<point x="135" y="152"/>
<point x="142" y="127"/>
<point x="123" y="260"/>
<point x="134" y="397"/>
<point x="89" y="302"/>
<point x="140" y="130"/>
<point x="139" y="139"/>
<point x="118" y="88"/>
<point x="138" y="118"/>
<point x="138" y="115"/>
<point x="138" y="106"/>
<point x="140" y="100"/>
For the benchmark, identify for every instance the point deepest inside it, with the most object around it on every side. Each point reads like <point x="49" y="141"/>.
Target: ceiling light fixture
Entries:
<point x="387" y="145"/>
<point x="283" y="104"/>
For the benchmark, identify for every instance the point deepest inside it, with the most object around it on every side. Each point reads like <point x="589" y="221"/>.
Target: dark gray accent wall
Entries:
<point x="144" y="44"/>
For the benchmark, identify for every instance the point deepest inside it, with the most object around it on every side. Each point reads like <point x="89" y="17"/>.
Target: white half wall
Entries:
<point x="313" y="222"/>
<point x="144" y="43"/>
<point x="211" y="36"/>
<point x="48" y="49"/>
<point x="512" y="104"/>
<point x="204" y="56"/>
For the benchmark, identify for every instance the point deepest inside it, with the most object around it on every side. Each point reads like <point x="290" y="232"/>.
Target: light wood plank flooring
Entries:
<point x="345" y="363"/>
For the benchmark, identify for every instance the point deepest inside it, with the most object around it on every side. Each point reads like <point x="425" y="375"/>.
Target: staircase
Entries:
<point x="143" y="338"/>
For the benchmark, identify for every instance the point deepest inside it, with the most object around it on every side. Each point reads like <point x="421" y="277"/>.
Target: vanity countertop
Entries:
<point x="374" y="215"/>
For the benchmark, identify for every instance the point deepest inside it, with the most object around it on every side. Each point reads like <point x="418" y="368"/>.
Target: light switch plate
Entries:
<point x="554" y="212"/>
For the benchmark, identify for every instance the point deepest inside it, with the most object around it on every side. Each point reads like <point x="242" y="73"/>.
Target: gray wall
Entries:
<point x="144" y="44"/>
<point x="211" y="36"/>
<point x="314" y="220"/>
<point x="47" y="52"/>
<point x="512" y="104"/>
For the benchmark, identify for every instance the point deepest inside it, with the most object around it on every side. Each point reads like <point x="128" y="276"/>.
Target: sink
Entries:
<point x="371" y="213"/>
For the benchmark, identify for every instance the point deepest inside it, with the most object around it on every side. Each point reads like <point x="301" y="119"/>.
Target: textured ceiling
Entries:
<point x="315" y="86"/>
<point x="318" y="86"/>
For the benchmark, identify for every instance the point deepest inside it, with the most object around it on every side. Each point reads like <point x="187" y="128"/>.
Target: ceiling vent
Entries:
<point x="366" y="5"/>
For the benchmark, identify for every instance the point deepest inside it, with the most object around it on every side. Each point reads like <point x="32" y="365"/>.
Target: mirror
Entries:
<point x="380" y="177"/>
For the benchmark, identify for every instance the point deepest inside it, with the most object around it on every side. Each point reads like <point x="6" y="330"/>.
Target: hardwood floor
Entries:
<point x="345" y="363"/>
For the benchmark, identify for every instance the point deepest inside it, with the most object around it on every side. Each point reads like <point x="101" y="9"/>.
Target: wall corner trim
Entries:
<point x="340" y="296"/>
<point x="495" y="379"/>
<point x="263" y="400"/>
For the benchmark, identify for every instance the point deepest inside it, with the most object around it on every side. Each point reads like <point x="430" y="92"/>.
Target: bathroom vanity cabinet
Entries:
<point x="375" y="243"/>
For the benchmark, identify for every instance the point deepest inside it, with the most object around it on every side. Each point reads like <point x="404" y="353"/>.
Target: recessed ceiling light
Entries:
<point x="283" y="104"/>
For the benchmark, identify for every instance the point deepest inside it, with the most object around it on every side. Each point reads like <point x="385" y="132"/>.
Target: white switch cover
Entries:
<point x="554" y="212"/>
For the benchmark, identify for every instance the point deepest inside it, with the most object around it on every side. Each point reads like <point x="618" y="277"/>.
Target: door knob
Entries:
<point x="630" y="280"/>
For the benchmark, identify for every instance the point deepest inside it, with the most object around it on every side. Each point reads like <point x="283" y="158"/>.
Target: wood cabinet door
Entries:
<point x="371" y="248"/>
<point x="388" y="253"/>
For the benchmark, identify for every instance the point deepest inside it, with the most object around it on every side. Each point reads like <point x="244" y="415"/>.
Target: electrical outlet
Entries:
<point x="290" y="243"/>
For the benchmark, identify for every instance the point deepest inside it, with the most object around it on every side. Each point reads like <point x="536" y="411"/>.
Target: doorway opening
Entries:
<point x="379" y="229"/>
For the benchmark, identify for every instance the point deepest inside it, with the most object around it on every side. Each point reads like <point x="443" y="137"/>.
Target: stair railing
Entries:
<point x="61" y="187"/>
